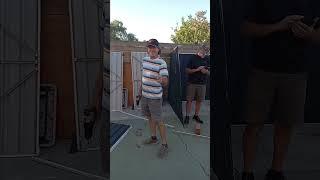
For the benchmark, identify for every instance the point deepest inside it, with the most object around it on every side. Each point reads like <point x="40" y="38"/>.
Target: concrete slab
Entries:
<point x="26" y="169"/>
<point x="189" y="157"/>
<point x="170" y="117"/>
<point x="303" y="156"/>
<point x="88" y="161"/>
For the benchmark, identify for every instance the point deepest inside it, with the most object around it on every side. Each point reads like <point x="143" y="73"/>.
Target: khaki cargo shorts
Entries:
<point x="282" y="94"/>
<point x="152" y="108"/>
<point x="197" y="91"/>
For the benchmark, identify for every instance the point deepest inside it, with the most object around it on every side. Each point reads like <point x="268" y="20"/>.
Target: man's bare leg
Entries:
<point x="282" y="136"/>
<point x="198" y="106"/>
<point x="250" y="137"/>
<point x="163" y="133"/>
<point x="188" y="110"/>
<point x="153" y="127"/>
<point x="153" y="132"/>
<point x="188" y="107"/>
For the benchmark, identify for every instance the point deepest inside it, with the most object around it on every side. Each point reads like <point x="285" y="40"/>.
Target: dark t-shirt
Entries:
<point x="197" y="77"/>
<point x="280" y="51"/>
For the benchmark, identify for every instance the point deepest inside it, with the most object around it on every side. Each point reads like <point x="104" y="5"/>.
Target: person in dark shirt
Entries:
<point x="280" y="31"/>
<point x="198" y="71"/>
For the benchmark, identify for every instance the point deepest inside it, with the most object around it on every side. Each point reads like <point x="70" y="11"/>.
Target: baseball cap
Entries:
<point x="153" y="43"/>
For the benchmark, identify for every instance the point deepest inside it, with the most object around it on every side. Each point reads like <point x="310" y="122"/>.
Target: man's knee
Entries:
<point x="254" y="128"/>
<point x="284" y="125"/>
<point x="199" y="100"/>
<point x="189" y="99"/>
<point x="160" y="123"/>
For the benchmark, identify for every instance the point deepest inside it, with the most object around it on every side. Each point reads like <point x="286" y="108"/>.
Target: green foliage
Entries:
<point x="194" y="30"/>
<point x="119" y="32"/>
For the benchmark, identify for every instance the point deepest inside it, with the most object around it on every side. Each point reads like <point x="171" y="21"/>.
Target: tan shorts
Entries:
<point x="152" y="108"/>
<point x="282" y="94"/>
<point x="197" y="91"/>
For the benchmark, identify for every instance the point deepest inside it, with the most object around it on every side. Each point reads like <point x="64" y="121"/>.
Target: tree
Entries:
<point x="119" y="32"/>
<point x="131" y="37"/>
<point x="194" y="30"/>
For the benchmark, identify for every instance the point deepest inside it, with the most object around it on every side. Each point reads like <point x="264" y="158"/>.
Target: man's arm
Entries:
<point x="191" y="71"/>
<point x="205" y="71"/>
<point x="164" y="81"/>
<point x="253" y="29"/>
<point x="164" y="74"/>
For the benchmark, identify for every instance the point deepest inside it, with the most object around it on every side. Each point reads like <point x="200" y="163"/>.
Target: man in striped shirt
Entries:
<point x="154" y="78"/>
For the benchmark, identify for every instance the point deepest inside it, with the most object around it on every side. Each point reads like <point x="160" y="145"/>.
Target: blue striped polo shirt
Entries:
<point x="151" y="70"/>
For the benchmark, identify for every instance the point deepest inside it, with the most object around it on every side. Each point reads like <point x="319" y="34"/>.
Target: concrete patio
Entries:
<point x="188" y="158"/>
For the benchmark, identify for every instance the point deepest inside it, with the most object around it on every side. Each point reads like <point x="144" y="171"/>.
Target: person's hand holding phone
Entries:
<point x="205" y="71"/>
<point x="200" y="68"/>
<point x="302" y="30"/>
<point x="286" y="22"/>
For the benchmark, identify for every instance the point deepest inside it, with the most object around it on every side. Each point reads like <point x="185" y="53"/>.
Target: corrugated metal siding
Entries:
<point x="88" y="28"/>
<point x="106" y="80"/>
<point x="116" y="82"/>
<point x="136" y="64"/>
<point x="87" y="31"/>
<point x="106" y="19"/>
<point x="19" y="83"/>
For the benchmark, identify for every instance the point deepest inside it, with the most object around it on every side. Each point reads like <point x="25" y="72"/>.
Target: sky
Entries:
<point x="155" y="19"/>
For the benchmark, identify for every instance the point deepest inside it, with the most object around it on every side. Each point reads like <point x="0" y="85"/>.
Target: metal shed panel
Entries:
<point x="136" y="64"/>
<point x="106" y="80"/>
<point x="88" y="28"/>
<point x="116" y="83"/>
<point x="86" y="75"/>
<point x="19" y="77"/>
<point x="87" y="33"/>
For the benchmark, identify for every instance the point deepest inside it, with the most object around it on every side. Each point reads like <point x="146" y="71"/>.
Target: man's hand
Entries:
<point x="200" y="68"/>
<point x="205" y="71"/>
<point x="286" y="23"/>
<point x="190" y="71"/>
<point x="162" y="80"/>
<point x="302" y="31"/>
<point x="255" y="30"/>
